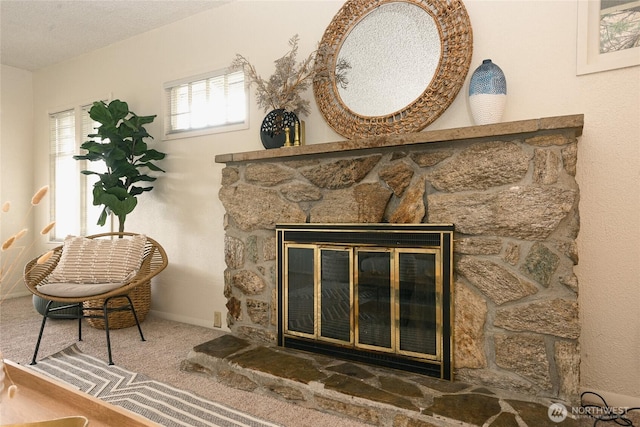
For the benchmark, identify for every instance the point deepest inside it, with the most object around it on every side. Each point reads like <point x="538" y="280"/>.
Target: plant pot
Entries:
<point x="272" y="131"/>
<point x="487" y="93"/>
<point x="40" y="304"/>
<point x="141" y="299"/>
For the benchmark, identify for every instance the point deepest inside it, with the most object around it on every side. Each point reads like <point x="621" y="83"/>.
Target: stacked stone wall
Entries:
<point x="514" y="203"/>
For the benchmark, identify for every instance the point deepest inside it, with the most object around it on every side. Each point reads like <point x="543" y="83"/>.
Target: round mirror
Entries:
<point x="389" y="70"/>
<point x="408" y="60"/>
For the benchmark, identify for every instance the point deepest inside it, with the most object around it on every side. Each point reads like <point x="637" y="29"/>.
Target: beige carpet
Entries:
<point x="167" y="345"/>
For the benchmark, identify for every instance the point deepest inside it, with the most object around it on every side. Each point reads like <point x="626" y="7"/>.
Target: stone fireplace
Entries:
<point x="509" y="189"/>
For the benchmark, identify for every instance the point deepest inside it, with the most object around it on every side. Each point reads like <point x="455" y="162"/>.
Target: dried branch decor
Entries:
<point x="12" y="254"/>
<point x="13" y="250"/>
<point x="284" y="88"/>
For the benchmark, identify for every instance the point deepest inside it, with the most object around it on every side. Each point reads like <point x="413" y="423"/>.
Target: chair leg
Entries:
<point x="44" y="321"/>
<point x="105" y="312"/>
<point x="135" y="316"/>
<point x="80" y="317"/>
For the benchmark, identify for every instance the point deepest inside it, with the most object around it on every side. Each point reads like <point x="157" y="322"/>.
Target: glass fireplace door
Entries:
<point x="318" y="293"/>
<point x="398" y="296"/>
<point x="301" y="290"/>
<point x="336" y="320"/>
<point x="373" y="298"/>
<point x="419" y="295"/>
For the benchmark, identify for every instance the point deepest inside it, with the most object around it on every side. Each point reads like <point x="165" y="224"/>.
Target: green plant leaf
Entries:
<point x="103" y="217"/>
<point x="118" y="109"/>
<point x="100" y="113"/>
<point x="128" y="123"/>
<point x="139" y="190"/>
<point x="124" y="207"/>
<point x="124" y="168"/>
<point x="152" y="155"/>
<point x="140" y="148"/>
<point x="82" y="157"/>
<point x="143" y="120"/>
<point x="116" y="199"/>
<point x="153" y="167"/>
<point x="96" y="147"/>
<point x="115" y="154"/>
<point x="145" y="178"/>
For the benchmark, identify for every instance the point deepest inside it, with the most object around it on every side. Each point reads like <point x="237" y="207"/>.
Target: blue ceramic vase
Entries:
<point x="487" y="93"/>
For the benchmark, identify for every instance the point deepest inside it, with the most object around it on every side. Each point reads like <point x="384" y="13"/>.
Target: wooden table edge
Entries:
<point x="60" y="399"/>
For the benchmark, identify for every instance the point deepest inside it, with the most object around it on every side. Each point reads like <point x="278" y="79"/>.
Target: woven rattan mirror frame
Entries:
<point x="456" y="38"/>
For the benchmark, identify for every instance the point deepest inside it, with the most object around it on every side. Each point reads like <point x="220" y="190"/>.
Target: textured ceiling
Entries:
<point x="38" y="33"/>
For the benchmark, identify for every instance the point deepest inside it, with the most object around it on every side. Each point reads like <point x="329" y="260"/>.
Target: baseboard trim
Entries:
<point x="186" y="319"/>
<point x="15" y="294"/>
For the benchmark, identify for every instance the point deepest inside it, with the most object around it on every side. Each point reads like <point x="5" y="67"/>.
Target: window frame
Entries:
<point x="169" y="134"/>
<point x="84" y="186"/>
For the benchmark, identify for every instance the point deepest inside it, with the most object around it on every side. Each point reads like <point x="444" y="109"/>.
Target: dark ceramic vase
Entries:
<point x="272" y="131"/>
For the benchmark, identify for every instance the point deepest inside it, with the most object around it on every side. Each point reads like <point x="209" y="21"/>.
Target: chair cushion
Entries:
<point x="73" y="290"/>
<point x="99" y="261"/>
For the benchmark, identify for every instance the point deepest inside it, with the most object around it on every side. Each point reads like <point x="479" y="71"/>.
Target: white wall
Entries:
<point x="16" y="175"/>
<point x="534" y="42"/>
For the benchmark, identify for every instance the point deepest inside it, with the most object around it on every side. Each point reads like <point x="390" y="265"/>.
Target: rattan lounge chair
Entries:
<point x="95" y="300"/>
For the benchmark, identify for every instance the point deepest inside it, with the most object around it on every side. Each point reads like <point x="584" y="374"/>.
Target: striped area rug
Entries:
<point x="161" y="403"/>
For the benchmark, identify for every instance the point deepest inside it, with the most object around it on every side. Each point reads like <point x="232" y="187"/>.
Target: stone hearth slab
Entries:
<point x="372" y="395"/>
<point x="352" y="370"/>
<point x="354" y="387"/>
<point x="280" y="364"/>
<point x="222" y="347"/>
<point x="471" y="408"/>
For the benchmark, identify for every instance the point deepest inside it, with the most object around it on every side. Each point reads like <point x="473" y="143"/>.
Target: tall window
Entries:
<point x="72" y="206"/>
<point x="208" y="103"/>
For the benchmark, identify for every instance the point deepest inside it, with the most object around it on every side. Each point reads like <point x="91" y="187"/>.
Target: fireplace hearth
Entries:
<point x="374" y="293"/>
<point x="511" y="192"/>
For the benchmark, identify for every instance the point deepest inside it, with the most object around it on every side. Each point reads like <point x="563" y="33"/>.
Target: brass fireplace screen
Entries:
<point x="375" y="293"/>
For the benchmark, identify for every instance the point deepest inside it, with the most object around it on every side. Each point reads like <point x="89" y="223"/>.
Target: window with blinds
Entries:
<point x="208" y="103"/>
<point x="71" y="207"/>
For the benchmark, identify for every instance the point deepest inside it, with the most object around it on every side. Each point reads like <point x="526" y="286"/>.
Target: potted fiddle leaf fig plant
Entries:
<point x="119" y="142"/>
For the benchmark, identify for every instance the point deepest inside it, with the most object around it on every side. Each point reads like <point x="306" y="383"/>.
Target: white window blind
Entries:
<point x="71" y="206"/>
<point x="90" y="213"/>
<point x="65" y="175"/>
<point x="213" y="102"/>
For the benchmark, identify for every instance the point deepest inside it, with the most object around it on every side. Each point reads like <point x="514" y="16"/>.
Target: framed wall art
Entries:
<point x="608" y="35"/>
